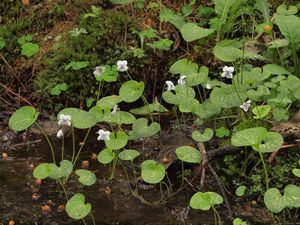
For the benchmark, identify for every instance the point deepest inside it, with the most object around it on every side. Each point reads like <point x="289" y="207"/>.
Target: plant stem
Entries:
<point x="64" y="189"/>
<point x="93" y="219"/>
<point x="73" y="141"/>
<point x="115" y="160"/>
<point x="62" y="148"/>
<point x="218" y="215"/>
<point x="265" y="170"/>
<point x="147" y="104"/>
<point x="49" y="142"/>
<point x="86" y="135"/>
<point x="98" y="94"/>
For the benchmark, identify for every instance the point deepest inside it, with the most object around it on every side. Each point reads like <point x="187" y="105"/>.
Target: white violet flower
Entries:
<point x="60" y="133"/>
<point x="170" y="85"/>
<point x="103" y="135"/>
<point x="228" y="72"/>
<point x="181" y="81"/>
<point x="115" y="109"/>
<point x="99" y="70"/>
<point x="64" y="120"/>
<point x="208" y="86"/>
<point x="246" y="105"/>
<point x="122" y="65"/>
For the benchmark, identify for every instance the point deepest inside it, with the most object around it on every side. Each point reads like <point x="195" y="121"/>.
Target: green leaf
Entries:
<point x="188" y="154"/>
<point x="106" y="156"/>
<point x="110" y="74"/>
<point x="296" y="172"/>
<point x="222" y="132"/>
<point x="128" y="155"/>
<point x="227" y="54"/>
<point x="261" y="111"/>
<point x="64" y="171"/>
<point x="23" y="118"/>
<point x="238" y="221"/>
<point x="150" y="108"/>
<point x="206" y="136"/>
<point x="24" y="39"/>
<point x="131" y="90"/>
<point x="191" y="32"/>
<point x="194" y="79"/>
<point x="76" y="207"/>
<point x="264" y="7"/>
<point x="42" y="171"/>
<point x="206" y="200"/>
<point x="292" y="196"/>
<point x="140" y="129"/>
<point x="2" y="43"/>
<point x="117" y="141"/>
<point x="108" y="102"/>
<point x="120" y="117"/>
<point x="274" y="200"/>
<point x="77" y="65"/>
<point x="227" y="97"/>
<point x="240" y="191"/>
<point x="289" y="27"/>
<point x="152" y="172"/>
<point x="249" y="137"/>
<point x="98" y="113"/>
<point x="222" y="9"/>
<point x="287" y="10"/>
<point x="79" y="118"/>
<point x="271" y="143"/>
<point x="275" y="69"/>
<point x="161" y="44"/>
<point x="184" y="67"/>
<point x="188" y="105"/>
<point x="122" y="2"/>
<point x="29" y="49"/>
<point x="86" y="177"/>
<point x="57" y="89"/>
<point x="182" y="92"/>
<point x="167" y="15"/>
<point x="207" y="109"/>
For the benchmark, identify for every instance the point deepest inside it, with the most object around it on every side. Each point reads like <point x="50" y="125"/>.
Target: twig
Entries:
<point x="221" y="189"/>
<point x="16" y="94"/>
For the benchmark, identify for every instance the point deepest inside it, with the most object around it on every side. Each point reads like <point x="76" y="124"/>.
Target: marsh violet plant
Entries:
<point x="228" y="72"/>
<point x="122" y="65"/>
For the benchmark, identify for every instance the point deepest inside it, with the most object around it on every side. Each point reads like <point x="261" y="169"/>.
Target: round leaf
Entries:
<point x="128" y="155"/>
<point x="240" y="191"/>
<point x="79" y="118"/>
<point x="131" y="90"/>
<point x="249" y="137"/>
<point x="227" y="97"/>
<point x="188" y="154"/>
<point x="140" y="129"/>
<point x="76" y="207"/>
<point x="120" y="117"/>
<point x="117" y="141"/>
<point x="261" y="111"/>
<point x="109" y="101"/>
<point x="64" y="171"/>
<point x="106" y="156"/>
<point x="273" y="200"/>
<point x="271" y="143"/>
<point x="23" y="118"/>
<point x="206" y="136"/>
<point x="191" y="32"/>
<point x="152" y="172"/>
<point x="206" y="200"/>
<point x="296" y="172"/>
<point x="42" y="171"/>
<point x="86" y="177"/>
<point x="292" y="196"/>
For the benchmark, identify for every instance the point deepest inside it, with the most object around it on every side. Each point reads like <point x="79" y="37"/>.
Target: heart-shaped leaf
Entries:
<point x="131" y="90"/>
<point x="249" y="137"/>
<point x="206" y="136"/>
<point x="195" y="79"/>
<point x="227" y="97"/>
<point x="296" y="172"/>
<point x="117" y="141"/>
<point x="152" y="172"/>
<point x="128" y="154"/>
<point x="292" y="196"/>
<point x="184" y="67"/>
<point x="106" y="156"/>
<point x="206" y="200"/>
<point x="76" y="207"/>
<point x="57" y="89"/>
<point x="119" y="117"/>
<point x="240" y="191"/>
<point x="108" y="102"/>
<point x="79" y="118"/>
<point x="271" y="143"/>
<point x="207" y="109"/>
<point x="42" y="171"/>
<point x="191" y="32"/>
<point x="140" y="129"/>
<point x="182" y="93"/>
<point x="188" y="105"/>
<point x="188" y="154"/>
<point x="98" y="112"/>
<point x="29" y="49"/>
<point x="261" y="111"/>
<point x="23" y="118"/>
<point x="64" y="171"/>
<point x="86" y="177"/>
<point x="274" y="200"/>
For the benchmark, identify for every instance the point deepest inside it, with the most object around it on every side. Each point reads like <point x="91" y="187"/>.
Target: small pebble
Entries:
<point x="85" y="164"/>
<point x="38" y="182"/>
<point x="94" y="156"/>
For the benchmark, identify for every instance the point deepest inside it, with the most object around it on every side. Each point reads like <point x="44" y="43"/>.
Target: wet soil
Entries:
<point x="24" y="201"/>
